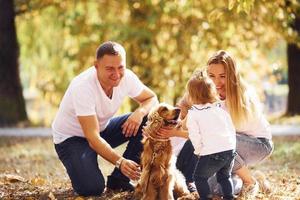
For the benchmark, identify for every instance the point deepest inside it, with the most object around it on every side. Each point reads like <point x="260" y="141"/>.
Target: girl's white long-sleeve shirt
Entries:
<point x="210" y="129"/>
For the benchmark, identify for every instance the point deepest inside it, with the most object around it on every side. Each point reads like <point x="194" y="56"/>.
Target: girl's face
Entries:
<point x="218" y="75"/>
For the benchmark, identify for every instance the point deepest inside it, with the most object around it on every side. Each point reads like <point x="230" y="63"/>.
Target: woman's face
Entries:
<point x="218" y="75"/>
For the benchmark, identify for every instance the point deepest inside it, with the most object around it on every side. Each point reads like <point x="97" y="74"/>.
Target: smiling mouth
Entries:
<point x="115" y="80"/>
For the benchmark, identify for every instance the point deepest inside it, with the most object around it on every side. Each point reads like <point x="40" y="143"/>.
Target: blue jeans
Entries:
<point x="80" y="160"/>
<point x="251" y="150"/>
<point x="220" y="164"/>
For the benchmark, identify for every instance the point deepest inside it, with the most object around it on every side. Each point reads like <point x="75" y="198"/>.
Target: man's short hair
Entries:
<point x="110" y="48"/>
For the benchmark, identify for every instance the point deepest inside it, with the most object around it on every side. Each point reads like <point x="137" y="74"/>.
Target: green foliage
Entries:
<point x="165" y="40"/>
<point x="287" y="150"/>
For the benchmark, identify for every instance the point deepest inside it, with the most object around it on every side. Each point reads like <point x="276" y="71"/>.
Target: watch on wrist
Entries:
<point x="119" y="162"/>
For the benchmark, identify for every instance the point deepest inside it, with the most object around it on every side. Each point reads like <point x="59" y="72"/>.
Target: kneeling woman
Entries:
<point x="254" y="140"/>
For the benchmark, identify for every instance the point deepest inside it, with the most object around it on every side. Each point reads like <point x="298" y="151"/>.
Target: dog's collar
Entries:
<point x="157" y="139"/>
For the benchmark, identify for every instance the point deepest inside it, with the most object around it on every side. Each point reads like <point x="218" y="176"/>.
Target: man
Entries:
<point x="87" y="109"/>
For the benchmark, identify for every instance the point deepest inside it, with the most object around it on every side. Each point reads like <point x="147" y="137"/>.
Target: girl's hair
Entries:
<point x="240" y="104"/>
<point x="201" y="89"/>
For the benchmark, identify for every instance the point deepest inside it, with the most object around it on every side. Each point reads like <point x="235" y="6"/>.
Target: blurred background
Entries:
<point x="44" y="44"/>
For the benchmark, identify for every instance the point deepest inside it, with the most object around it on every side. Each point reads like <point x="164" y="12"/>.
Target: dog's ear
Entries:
<point x="155" y="124"/>
<point x="154" y="116"/>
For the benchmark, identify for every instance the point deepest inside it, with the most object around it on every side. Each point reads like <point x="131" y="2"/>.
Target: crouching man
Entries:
<point x="84" y="126"/>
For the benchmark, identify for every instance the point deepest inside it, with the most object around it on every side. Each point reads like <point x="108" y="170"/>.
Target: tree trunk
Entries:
<point x="293" y="52"/>
<point x="12" y="104"/>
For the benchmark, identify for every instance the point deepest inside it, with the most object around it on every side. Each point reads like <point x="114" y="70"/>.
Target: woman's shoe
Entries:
<point x="264" y="184"/>
<point x="250" y="191"/>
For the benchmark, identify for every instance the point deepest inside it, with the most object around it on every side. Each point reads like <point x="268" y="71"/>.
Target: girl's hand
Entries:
<point x="166" y="132"/>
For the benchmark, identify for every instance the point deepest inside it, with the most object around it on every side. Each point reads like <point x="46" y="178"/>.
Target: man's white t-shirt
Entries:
<point x="85" y="96"/>
<point x="210" y="129"/>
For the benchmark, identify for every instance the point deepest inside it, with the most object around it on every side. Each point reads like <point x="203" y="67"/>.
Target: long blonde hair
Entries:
<point x="240" y="104"/>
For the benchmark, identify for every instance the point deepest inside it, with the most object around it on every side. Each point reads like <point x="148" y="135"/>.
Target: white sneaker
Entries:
<point x="264" y="184"/>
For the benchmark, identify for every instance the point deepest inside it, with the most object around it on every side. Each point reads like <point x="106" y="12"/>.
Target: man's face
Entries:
<point x="110" y="70"/>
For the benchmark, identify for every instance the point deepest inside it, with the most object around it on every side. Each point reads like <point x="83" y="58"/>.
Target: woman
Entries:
<point x="254" y="140"/>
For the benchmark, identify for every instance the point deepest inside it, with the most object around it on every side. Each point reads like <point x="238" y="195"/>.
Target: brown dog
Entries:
<point x="159" y="178"/>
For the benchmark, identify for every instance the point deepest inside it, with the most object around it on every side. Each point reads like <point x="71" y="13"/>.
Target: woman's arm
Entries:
<point x="184" y="106"/>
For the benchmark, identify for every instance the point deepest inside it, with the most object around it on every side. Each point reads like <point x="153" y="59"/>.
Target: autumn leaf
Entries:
<point x="38" y="181"/>
<point x="12" y="178"/>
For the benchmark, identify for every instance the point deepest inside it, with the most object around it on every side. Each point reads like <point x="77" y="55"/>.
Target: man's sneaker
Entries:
<point x="114" y="183"/>
<point x="264" y="184"/>
<point x="250" y="191"/>
<point x="191" y="187"/>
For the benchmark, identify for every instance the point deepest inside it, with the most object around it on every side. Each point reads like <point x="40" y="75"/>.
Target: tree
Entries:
<point x="285" y="19"/>
<point x="12" y="104"/>
<point x="293" y="51"/>
<point x="166" y="40"/>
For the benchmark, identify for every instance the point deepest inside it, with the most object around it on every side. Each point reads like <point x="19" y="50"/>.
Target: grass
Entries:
<point x="30" y="169"/>
<point x="284" y="120"/>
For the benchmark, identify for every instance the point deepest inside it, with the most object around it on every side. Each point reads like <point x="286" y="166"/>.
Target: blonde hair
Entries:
<point x="201" y="89"/>
<point x="239" y="103"/>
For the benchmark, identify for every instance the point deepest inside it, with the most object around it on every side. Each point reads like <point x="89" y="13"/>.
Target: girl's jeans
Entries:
<point x="220" y="164"/>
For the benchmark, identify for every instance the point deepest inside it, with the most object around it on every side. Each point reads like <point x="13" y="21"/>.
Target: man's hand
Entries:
<point x="132" y="124"/>
<point x="130" y="169"/>
<point x="146" y="99"/>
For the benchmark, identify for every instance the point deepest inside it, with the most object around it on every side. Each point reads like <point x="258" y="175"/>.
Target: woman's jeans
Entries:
<point x="186" y="161"/>
<point x="80" y="160"/>
<point x="220" y="164"/>
<point x="251" y="150"/>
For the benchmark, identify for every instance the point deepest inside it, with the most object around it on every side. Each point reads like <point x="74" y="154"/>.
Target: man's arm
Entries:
<point x="147" y="99"/>
<point x="90" y="127"/>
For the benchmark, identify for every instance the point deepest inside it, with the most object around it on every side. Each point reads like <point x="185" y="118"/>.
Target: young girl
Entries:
<point x="212" y="134"/>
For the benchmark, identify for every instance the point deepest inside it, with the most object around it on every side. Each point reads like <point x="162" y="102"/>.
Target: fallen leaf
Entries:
<point x="38" y="181"/>
<point x="12" y="178"/>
